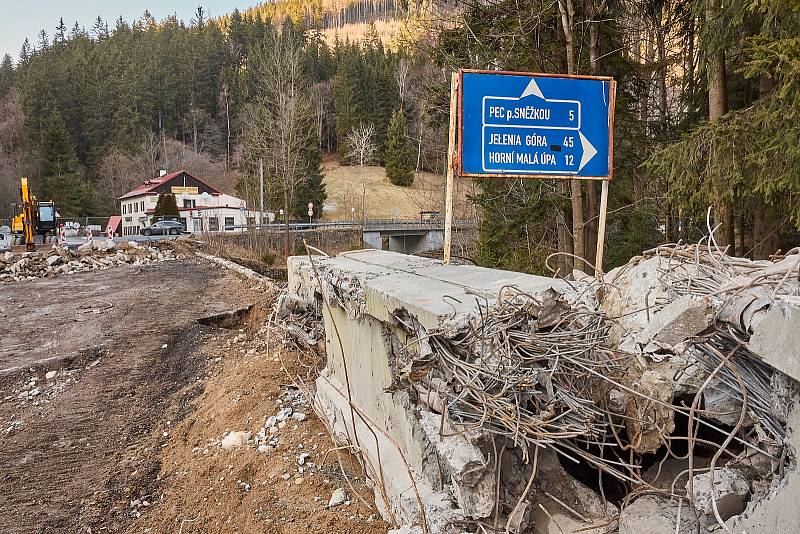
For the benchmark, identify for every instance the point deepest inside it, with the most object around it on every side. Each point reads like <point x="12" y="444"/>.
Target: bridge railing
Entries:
<point x="368" y="225"/>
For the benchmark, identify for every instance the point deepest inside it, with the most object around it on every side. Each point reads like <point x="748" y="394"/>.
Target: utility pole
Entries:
<point x="261" y="191"/>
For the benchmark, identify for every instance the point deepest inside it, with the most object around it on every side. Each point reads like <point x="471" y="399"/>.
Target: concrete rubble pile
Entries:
<point x="15" y="267"/>
<point x="661" y="399"/>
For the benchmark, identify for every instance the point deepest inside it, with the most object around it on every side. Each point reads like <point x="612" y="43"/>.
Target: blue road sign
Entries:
<point x="518" y="124"/>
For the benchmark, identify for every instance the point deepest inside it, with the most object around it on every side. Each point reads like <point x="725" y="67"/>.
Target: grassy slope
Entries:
<point x="346" y="185"/>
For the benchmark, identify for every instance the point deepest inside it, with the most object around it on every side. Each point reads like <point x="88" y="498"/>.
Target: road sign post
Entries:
<point x="526" y="125"/>
<point x="451" y="163"/>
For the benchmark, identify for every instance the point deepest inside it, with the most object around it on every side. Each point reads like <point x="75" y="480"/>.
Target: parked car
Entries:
<point x="163" y="228"/>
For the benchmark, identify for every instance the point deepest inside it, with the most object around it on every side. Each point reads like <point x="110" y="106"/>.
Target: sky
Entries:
<point x="24" y="18"/>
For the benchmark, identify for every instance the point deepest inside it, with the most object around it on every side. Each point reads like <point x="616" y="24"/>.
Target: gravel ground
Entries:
<point x="105" y="379"/>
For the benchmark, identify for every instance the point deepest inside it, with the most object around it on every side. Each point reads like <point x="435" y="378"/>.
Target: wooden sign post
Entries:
<point x="451" y="164"/>
<point x="531" y="126"/>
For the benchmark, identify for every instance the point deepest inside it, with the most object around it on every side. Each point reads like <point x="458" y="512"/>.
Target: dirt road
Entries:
<point x="100" y="378"/>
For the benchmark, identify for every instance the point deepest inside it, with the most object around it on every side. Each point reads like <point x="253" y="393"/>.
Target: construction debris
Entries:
<point x="510" y="396"/>
<point x="651" y="514"/>
<point x="15" y="267"/>
<point x="337" y="497"/>
<point x="731" y="489"/>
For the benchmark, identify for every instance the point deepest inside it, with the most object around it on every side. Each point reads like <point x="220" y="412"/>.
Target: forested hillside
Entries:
<point x="87" y="113"/>
<point x="708" y="95"/>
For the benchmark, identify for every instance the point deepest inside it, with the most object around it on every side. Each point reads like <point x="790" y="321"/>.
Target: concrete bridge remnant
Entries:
<point x="480" y="398"/>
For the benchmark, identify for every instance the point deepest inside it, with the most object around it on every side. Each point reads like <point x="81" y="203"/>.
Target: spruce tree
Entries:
<point x="57" y="150"/>
<point x="6" y="75"/>
<point x="312" y="187"/>
<point x="348" y="95"/>
<point x="166" y="206"/>
<point x="399" y="160"/>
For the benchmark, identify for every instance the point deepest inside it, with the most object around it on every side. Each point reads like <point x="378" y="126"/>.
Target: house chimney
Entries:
<point x="162" y="172"/>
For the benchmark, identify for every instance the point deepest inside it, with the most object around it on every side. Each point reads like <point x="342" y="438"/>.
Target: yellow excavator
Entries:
<point x="33" y="218"/>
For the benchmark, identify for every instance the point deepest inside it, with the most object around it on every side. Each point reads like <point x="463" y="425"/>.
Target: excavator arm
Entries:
<point x="29" y="215"/>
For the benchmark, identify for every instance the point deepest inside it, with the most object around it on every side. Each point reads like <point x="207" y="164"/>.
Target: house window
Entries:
<point x="124" y="209"/>
<point x="228" y="221"/>
<point x="142" y="205"/>
<point x="189" y="203"/>
<point x="213" y="224"/>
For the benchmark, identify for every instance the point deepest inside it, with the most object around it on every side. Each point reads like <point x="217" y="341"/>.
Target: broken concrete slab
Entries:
<point x="549" y="517"/>
<point x="778" y="512"/>
<point x="633" y="293"/>
<point x="776" y="336"/>
<point x="399" y="490"/>
<point x="731" y="491"/>
<point x="678" y="321"/>
<point x="646" y="421"/>
<point x="378" y="282"/>
<point x="473" y="483"/>
<point x="652" y="514"/>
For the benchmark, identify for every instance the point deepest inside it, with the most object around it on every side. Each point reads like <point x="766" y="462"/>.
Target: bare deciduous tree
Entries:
<point x="225" y="101"/>
<point x="361" y="141"/>
<point x="278" y="129"/>
<point x="321" y="99"/>
<point x="401" y="78"/>
<point x="202" y="129"/>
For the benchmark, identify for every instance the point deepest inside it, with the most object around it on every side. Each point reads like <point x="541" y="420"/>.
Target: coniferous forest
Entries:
<point x="707" y="102"/>
<point x="89" y="112"/>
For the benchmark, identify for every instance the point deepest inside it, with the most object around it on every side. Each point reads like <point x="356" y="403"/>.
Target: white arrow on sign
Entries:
<point x="589" y="151"/>
<point x="532" y="89"/>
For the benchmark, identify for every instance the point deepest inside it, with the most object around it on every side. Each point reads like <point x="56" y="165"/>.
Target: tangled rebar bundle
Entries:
<point x="703" y="269"/>
<point x="536" y="369"/>
<point x="521" y="370"/>
<point x="741" y="288"/>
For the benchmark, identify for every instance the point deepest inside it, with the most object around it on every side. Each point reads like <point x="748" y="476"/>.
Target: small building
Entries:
<point x="202" y="208"/>
<point x="115" y="223"/>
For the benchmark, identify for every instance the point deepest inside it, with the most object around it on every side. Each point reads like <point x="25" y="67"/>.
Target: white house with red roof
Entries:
<point x="202" y="208"/>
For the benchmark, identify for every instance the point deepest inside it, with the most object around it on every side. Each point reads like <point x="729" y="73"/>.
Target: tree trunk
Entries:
<point x="646" y="63"/>
<point x="591" y="187"/>
<point x="766" y="239"/>
<point x="668" y="231"/>
<point x="717" y="107"/>
<point x="228" y="129"/>
<point x="564" y="263"/>
<point x="690" y="84"/>
<point x="285" y="223"/>
<point x="662" y="77"/>
<point x="577" y="224"/>
<point x="567" y="18"/>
